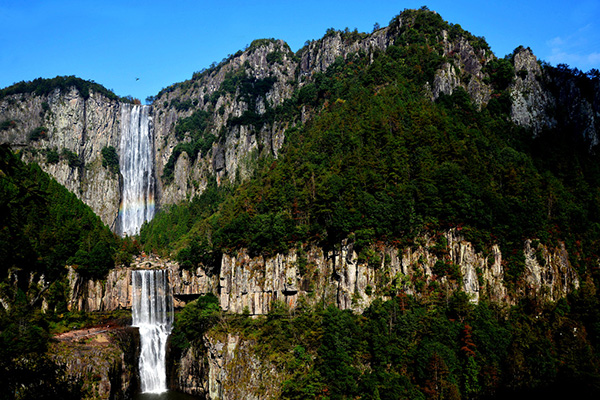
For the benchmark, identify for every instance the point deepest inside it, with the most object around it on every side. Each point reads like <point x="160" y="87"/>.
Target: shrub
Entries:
<point x="8" y="124"/>
<point x="110" y="159"/>
<point x="52" y="156"/>
<point x="72" y="158"/>
<point x="41" y="132"/>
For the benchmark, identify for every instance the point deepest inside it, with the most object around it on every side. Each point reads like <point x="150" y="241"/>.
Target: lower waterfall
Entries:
<point x="152" y="312"/>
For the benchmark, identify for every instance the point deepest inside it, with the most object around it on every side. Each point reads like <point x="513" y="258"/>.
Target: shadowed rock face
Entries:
<point x="103" y="361"/>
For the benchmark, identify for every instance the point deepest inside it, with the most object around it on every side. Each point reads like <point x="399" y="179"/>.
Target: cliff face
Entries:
<point x="342" y="277"/>
<point x="76" y="129"/>
<point x="236" y="371"/>
<point x="535" y="94"/>
<point x="104" y="363"/>
<point x="215" y="93"/>
<point x="115" y="292"/>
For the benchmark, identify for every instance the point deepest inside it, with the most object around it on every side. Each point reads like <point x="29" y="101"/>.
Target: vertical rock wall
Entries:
<point x="74" y="124"/>
<point x="338" y="276"/>
<point x="105" y="364"/>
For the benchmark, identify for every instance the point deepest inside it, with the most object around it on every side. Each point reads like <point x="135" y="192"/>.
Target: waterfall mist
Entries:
<point x="136" y="163"/>
<point x="152" y="312"/>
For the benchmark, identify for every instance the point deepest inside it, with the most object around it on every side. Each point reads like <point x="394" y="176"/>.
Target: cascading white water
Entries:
<point x="137" y="167"/>
<point x="152" y="312"/>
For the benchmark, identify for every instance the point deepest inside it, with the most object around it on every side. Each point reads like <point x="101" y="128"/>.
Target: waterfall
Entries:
<point x="152" y="312"/>
<point x="137" y="168"/>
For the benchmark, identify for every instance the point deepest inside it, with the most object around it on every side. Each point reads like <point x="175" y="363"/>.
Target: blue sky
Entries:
<point x="163" y="42"/>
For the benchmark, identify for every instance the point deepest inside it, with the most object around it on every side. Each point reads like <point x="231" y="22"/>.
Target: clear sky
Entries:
<point x="163" y="42"/>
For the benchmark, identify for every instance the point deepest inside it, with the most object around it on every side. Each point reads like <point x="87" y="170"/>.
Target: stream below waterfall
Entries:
<point x="170" y="395"/>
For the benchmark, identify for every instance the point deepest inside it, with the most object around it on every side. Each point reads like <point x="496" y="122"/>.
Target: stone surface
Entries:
<point x="337" y="276"/>
<point x="85" y="126"/>
<point x="236" y="372"/>
<point x="104" y="363"/>
<point x="82" y="126"/>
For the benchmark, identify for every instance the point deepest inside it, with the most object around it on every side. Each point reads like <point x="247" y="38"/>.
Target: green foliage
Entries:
<point x="8" y="124"/>
<point x="44" y="225"/>
<point x="72" y="158"/>
<point x="176" y="228"/>
<point x="129" y="247"/>
<point x="199" y="251"/>
<point x="42" y="87"/>
<point x="201" y="142"/>
<point x="194" y="320"/>
<point x="275" y="57"/>
<point x="194" y="125"/>
<point x="423" y="348"/>
<point x="52" y="156"/>
<point x="110" y="159"/>
<point x="41" y="132"/>
<point x="336" y="353"/>
<point x="449" y="269"/>
<point x="382" y="163"/>
<point x="260" y="43"/>
<point x="501" y="72"/>
<point x="26" y="371"/>
<point x="95" y="262"/>
<point x="377" y="162"/>
<point x="182" y="105"/>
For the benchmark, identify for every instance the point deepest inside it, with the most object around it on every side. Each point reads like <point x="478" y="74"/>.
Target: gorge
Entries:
<point x="395" y="214"/>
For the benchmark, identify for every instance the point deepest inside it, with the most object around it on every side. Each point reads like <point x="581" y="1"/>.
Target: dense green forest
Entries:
<point x="44" y="87"/>
<point x="378" y="161"/>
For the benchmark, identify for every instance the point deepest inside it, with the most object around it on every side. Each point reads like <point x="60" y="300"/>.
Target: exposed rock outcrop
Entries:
<point x="189" y="374"/>
<point x="74" y="124"/>
<point x="340" y="277"/>
<point x="343" y="277"/>
<point x="464" y="69"/>
<point x="104" y="363"/>
<point x="236" y="372"/>
<point x="115" y="292"/>
<point x="241" y="122"/>
<point x="530" y="101"/>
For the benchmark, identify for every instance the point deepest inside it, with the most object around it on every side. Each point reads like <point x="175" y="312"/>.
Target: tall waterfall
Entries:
<point x="152" y="312"/>
<point x="137" y="167"/>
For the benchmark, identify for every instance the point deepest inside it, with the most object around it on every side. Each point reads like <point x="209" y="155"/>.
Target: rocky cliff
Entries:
<point x="347" y="278"/>
<point x="219" y="122"/>
<point x="71" y="131"/>
<point x="227" y="92"/>
<point x="104" y="362"/>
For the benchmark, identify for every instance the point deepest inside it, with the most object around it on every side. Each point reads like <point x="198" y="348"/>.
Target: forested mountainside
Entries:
<point x="389" y="147"/>
<point x="416" y="217"/>
<point x="384" y="144"/>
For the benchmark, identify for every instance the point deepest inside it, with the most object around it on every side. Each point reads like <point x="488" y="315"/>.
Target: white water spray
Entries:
<point x="152" y="313"/>
<point x="137" y="167"/>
